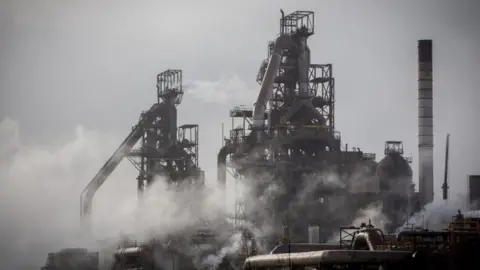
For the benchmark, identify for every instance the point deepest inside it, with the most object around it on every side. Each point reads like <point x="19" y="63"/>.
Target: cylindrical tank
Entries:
<point x="395" y="181"/>
<point x="313" y="234"/>
<point x="394" y="174"/>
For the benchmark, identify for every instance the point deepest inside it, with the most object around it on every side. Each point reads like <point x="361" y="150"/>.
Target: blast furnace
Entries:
<point x="287" y="151"/>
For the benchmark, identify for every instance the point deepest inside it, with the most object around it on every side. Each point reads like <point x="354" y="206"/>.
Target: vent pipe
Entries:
<point x="445" y="186"/>
<point x="425" y="121"/>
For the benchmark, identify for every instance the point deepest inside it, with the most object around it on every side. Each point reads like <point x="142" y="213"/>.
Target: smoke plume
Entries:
<point x="342" y="210"/>
<point x="233" y="245"/>
<point x="39" y="193"/>
<point x="39" y="199"/>
<point x="40" y="204"/>
<point x="371" y="214"/>
<point x="437" y="215"/>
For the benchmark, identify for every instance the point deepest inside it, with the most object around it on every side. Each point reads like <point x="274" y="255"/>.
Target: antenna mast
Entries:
<point x="445" y="176"/>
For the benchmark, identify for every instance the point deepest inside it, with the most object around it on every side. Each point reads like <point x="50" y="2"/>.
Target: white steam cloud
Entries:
<point x="233" y="245"/>
<point x="40" y="201"/>
<point x="437" y="215"/>
<point x="223" y="91"/>
<point x="39" y="193"/>
<point x="40" y="190"/>
<point x="371" y="214"/>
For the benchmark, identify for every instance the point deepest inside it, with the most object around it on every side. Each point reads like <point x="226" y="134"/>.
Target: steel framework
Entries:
<point x="166" y="150"/>
<point x="289" y="139"/>
<point x="300" y="129"/>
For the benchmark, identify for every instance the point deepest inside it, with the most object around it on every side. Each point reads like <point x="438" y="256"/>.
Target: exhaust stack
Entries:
<point x="425" y="121"/>
<point x="445" y="186"/>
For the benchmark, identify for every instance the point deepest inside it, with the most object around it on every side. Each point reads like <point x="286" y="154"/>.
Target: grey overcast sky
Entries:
<point x="92" y="64"/>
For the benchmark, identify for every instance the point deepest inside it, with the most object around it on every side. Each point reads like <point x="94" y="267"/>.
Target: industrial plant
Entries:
<point x="289" y="139"/>
<point x="304" y="183"/>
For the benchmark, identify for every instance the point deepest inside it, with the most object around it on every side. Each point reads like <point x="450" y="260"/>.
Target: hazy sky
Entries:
<point x="65" y="64"/>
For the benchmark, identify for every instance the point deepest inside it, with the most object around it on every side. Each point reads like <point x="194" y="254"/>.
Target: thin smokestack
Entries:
<point x="425" y="120"/>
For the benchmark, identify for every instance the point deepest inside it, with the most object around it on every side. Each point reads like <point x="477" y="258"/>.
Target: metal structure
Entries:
<point x="445" y="186"/>
<point x="288" y="141"/>
<point x="165" y="150"/>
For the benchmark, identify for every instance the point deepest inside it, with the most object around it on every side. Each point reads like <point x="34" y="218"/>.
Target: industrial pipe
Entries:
<point x="86" y="197"/>
<point x="425" y="121"/>
<point x="280" y="44"/>
<point x="88" y="193"/>
<point x="445" y="172"/>
<point x="303" y="247"/>
<point x="303" y="66"/>
<point x="282" y="22"/>
<point x="222" y="169"/>
<point x="315" y="258"/>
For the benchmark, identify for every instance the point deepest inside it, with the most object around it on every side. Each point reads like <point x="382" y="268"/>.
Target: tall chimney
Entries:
<point x="425" y="121"/>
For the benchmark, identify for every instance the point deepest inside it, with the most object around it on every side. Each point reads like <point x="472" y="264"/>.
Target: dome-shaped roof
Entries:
<point x="394" y="174"/>
<point x="393" y="166"/>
